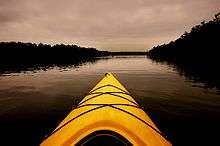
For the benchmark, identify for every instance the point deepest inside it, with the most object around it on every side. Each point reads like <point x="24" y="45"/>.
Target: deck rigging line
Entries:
<point x="114" y="106"/>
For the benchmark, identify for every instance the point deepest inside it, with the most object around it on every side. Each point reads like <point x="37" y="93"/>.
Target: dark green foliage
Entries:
<point x="18" y="54"/>
<point x="195" y="54"/>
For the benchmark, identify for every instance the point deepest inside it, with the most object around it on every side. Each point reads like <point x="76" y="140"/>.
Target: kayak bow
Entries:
<point x="108" y="115"/>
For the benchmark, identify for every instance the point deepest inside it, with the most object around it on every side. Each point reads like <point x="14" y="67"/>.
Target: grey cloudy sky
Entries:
<point x="106" y="24"/>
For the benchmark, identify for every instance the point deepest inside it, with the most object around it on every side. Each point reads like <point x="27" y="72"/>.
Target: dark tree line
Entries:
<point x="196" y="53"/>
<point x="18" y="54"/>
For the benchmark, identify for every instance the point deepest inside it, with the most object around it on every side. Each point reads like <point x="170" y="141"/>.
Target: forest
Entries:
<point x="194" y="54"/>
<point x="19" y="55"/>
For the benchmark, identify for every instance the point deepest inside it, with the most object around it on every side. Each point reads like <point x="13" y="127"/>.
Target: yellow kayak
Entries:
<point x="108" y="115"/>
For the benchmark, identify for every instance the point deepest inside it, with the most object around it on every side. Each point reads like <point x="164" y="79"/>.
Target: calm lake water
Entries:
<point x="32" y="103"/>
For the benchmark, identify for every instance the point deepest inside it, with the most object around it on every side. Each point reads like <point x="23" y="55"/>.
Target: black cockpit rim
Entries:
<point x="104" y="137"/>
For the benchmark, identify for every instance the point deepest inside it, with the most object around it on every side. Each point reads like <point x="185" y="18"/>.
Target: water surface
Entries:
<point x="32" y="103"/>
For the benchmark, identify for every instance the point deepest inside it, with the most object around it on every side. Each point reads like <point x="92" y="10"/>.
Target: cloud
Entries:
<point x="107" y="24"/>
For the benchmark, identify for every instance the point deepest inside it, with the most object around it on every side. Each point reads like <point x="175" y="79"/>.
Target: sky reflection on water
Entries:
<point x="32" y="103"/>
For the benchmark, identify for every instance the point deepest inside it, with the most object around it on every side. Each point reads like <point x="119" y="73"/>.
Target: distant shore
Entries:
<point x="125" y="53"/>
<point x="195" y="54"/>
<point x="20" y="56"/>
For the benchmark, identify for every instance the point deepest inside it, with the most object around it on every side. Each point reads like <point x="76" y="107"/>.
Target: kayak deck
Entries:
<point x="110" y="111"/>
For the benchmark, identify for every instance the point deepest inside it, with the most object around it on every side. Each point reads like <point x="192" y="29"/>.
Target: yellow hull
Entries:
<point x="107" y="107"/>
